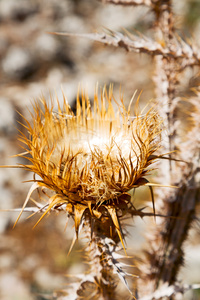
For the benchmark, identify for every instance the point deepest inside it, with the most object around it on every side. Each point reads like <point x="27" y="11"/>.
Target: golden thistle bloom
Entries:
<point x="92" y="159"/>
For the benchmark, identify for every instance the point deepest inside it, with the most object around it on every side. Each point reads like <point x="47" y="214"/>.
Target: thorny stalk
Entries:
<point x="101" y="252"/>
<point x="98" y="283"/>
<point x="166" y="254"/>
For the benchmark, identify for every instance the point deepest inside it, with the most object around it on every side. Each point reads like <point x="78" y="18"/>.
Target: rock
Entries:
<point x="7" y="118"/>
<point x="46" y="46"/>
<point x="18" y="63"/>
<point x="6" y="262"/>
<point x="46" y="280"/>
<point x="3" y="45"/>
<point x="12" y="287"/>
<point x="18" y="10"/>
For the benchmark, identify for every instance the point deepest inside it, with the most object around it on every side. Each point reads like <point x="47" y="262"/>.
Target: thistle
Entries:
<point x="91" y="160"/>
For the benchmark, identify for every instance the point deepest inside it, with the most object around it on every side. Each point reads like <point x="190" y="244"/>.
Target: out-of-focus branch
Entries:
<point x="43" y="208"/>
<point x="188" y="53"/>
<point x="168" y="291"/>
<point x="165" y="253"/>
<point x="129" y="2"/>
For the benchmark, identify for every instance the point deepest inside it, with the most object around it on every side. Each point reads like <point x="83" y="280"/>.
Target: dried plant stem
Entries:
<point x="165" y="78"/>
<point x="98" y="253"/>
<point x="129" y="2"/>
<point x="103" y="258"/>
<point x="166" y="255"/>
<point x="99" y="282"/>
<point x="176" y="231"/>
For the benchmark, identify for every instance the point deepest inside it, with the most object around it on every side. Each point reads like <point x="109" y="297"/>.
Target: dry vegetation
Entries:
<point x="91" y="183"/>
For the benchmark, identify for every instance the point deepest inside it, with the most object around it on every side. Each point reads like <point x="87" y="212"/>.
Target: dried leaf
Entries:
<point x="113" y="214"/>
<point x="78" y="213"/>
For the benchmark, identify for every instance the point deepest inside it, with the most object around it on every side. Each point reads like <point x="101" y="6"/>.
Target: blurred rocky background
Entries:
<point x="34" y="63"/>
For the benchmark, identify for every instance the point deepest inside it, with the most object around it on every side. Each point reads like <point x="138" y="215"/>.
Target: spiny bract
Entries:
<point x="92" y="159"/>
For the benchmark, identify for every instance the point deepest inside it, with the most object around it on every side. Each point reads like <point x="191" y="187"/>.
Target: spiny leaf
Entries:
<point x="113" y="214"/>
<point x="142" y="44"/>
<point x="55" y="200"/>
<point x="153" y="202"/>
<point x="130" y="2"/>
<point x="78" y="213"/>
<point x="72" y="244"/>
<point x="31" y="190"/>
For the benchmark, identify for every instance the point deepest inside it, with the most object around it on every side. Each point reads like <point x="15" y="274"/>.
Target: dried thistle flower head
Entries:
<point x="92" y="159"/>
